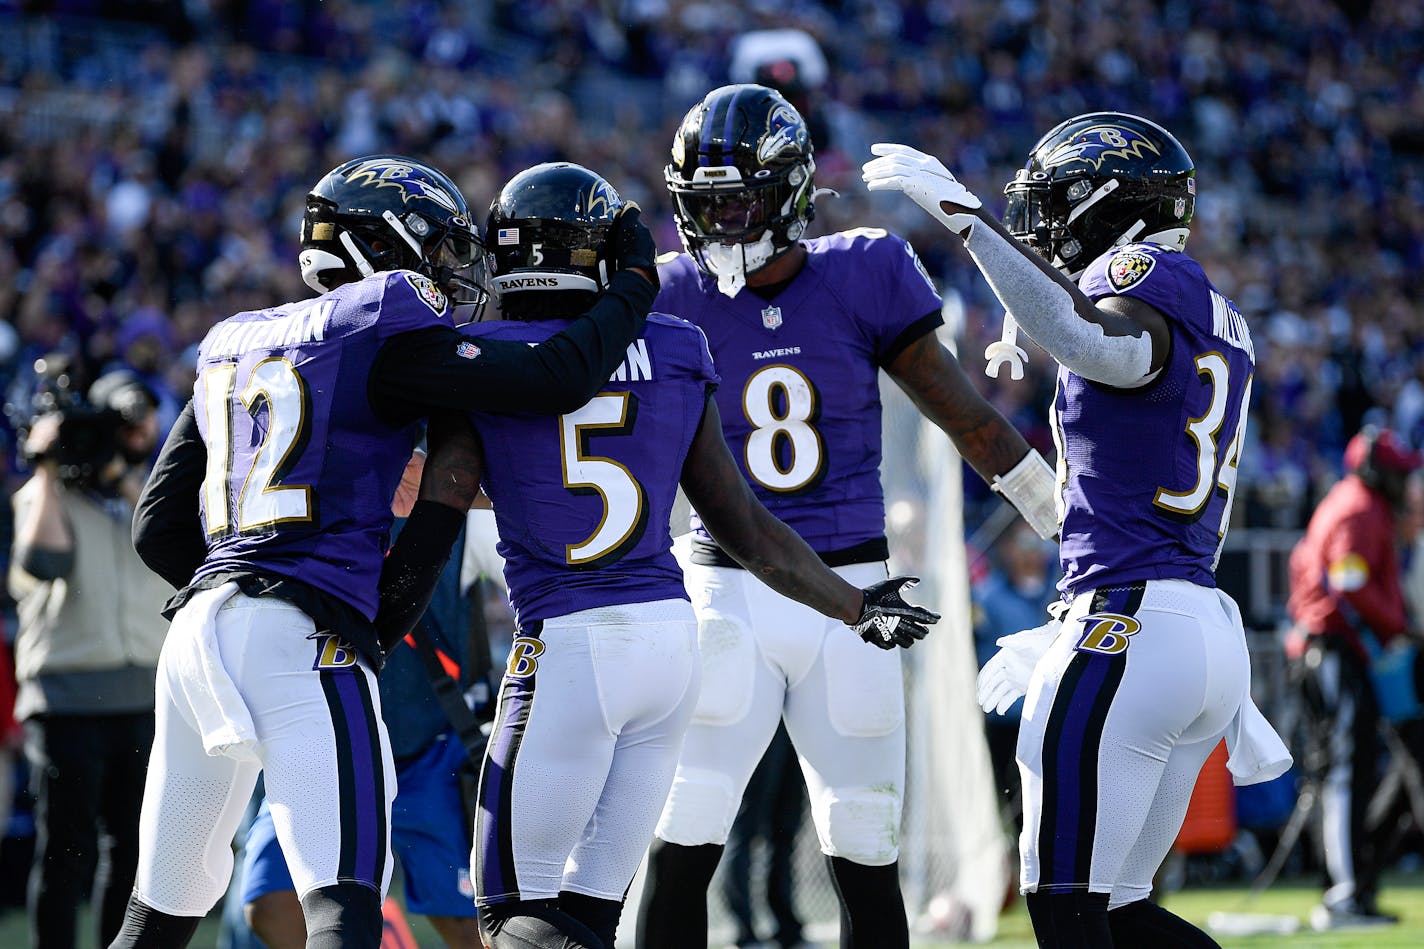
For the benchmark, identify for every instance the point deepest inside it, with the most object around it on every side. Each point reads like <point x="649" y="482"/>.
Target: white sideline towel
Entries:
<point x="222" y="715"/>
<point x="1255" y="752"/>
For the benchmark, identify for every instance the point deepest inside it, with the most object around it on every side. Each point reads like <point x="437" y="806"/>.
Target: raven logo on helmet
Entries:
<point x="784" y="129"/>
<point x="385" y="173"/>
<point x="388" y="212"/>
<point x="1099" y="143"/>
<point x="602" y="199"/>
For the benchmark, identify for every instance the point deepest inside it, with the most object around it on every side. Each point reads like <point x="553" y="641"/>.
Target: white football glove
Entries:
<point x="927" y="182"/>
<point x="1004" y="678"/>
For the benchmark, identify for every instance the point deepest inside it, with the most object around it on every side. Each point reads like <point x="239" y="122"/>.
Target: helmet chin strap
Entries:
<point x="731" y="263"/>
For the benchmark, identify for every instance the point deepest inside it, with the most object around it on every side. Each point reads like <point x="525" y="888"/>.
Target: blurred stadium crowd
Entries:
<point x="154" y="157"/>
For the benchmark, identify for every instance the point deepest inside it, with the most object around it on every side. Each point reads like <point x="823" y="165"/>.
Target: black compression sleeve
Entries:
<point x="167" y="528"/>
<point x="421" y="370"/>
<point x="413" y="567"/>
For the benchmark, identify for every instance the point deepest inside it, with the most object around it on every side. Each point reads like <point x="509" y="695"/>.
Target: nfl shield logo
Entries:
<point x="467" y="350"/>
<point x="771" y="317"/>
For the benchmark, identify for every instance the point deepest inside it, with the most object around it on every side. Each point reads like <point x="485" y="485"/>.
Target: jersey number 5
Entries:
<point x="262" y="500"/>
<point x="625" y="504"/>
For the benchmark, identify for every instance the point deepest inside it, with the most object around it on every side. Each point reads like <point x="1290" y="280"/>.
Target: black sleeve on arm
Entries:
<point x="421" y="369"/>
<point x="413" y="567"/>
<point x="928" y="323"/>
<point x="167" y="528"/>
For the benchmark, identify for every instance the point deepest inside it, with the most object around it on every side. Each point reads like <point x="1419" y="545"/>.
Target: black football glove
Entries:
<point x="631" y="244"/>
<point x="888" y="621"/>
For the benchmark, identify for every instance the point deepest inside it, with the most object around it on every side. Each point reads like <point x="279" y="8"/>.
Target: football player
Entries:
<point x="800" y="329"/>
<point x="1147" y="669"/>
<point x="603" y="673"/>
<point x="270" y="507"/>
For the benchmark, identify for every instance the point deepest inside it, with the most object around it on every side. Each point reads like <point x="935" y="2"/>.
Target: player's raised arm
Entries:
<point x="1118" y="342"/>
<point x="777" y="555"/>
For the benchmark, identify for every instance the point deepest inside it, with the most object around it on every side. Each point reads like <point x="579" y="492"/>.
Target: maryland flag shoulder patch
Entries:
<point x="1129" y="268"/>
<point x="428" y="292"/>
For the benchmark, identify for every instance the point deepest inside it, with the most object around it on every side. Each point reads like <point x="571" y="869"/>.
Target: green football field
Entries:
<point x="1401" y="894"/>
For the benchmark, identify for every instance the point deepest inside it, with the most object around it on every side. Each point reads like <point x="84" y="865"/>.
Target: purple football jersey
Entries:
<point x="582" y="500"/>
<point x="300" y="471"/>
<point x="1147" y="475"/>
<point x="800" y="402"/>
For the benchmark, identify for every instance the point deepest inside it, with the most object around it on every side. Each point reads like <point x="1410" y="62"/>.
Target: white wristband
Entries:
<point x="1030" y="487"/>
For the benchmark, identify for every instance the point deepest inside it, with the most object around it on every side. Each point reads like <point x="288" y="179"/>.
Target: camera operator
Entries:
<point x="1347" y="603"/>
<point x="87" y="649"/>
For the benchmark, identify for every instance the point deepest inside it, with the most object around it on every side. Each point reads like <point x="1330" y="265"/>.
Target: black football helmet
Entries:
<point x="741" y="181"/>
<point x="386" y="212"/>
<point x="1098" y="181"/>
<point x="549" y="229"/>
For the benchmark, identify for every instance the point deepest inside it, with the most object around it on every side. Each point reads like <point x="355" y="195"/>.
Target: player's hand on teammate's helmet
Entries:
<point x="926" y="181"/>
<point x="631" y="243"/>
<point x="887" y="621"/>
<point x="1004" y="678"/>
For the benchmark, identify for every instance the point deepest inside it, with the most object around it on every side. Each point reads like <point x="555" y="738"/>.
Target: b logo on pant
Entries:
<point x="524" y="657"/>
<point x="1107" y="633"/>
<point x="332" y="652"/>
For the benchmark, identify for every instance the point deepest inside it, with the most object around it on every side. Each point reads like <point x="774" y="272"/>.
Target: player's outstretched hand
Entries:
<point x="887" y="621"/>
<point x="632" y="243"/>
<point x="1004" y="677"/>
<point x="926" y="181"/>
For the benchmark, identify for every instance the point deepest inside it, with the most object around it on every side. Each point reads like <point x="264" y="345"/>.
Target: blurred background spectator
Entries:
<point x="86" y="652"/>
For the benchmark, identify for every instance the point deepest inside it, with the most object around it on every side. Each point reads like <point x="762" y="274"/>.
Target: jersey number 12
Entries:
<point x="262" y="500"/>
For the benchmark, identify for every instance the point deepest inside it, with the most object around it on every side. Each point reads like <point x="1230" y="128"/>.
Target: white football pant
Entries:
<point x="591" y="715"/>
<point x="1122" y="711"/>
<point x="320" y="741"/>
<point x="766" y="657"/>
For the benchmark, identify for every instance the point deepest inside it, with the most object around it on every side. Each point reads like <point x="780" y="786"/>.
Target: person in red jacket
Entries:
<point x="1346" y="601"/>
